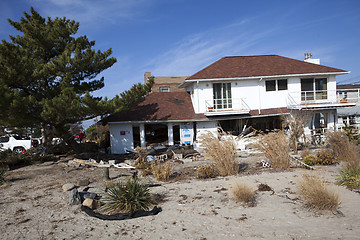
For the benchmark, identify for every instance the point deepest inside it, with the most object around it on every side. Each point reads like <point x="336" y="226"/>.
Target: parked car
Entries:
<point x="15" y="143"/>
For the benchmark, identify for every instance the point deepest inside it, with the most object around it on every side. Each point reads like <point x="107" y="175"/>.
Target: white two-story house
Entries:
<point x="234" y="93"/>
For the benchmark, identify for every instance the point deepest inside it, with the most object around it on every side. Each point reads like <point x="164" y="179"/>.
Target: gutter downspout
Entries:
<point x="259" y="95"/>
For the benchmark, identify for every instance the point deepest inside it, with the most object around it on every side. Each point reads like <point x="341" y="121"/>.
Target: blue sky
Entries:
<point x="180" y="37"/>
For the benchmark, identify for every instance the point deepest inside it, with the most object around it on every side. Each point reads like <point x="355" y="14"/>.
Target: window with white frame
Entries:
<point x="313" y="89"/>
<point x="276" y="85"/>
<point x="222" y="95"/>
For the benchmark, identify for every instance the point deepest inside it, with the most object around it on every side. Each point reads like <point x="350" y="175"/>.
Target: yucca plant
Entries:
<point x="128" y="197"/>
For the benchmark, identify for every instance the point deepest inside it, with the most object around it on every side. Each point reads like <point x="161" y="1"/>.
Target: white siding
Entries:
<point x="254" y="93"/>
<point x="204" y="127"/>
<point x="120" y="143"/>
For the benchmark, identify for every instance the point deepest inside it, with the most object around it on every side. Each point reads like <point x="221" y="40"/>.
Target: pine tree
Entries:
<point x="47" y="75"/>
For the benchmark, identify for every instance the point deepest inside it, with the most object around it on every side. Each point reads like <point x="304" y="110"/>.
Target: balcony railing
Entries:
<point x="349" y="95"/>
<point x="226" y="106"/>
<point x="323" y="98"/>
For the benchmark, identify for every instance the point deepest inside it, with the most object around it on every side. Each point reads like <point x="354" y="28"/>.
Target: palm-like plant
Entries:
<point x="129" y="197"/>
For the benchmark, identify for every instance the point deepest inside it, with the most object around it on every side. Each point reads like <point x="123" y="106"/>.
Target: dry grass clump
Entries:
<point x="275" y="146"/>
<point x="207" y="171"/>
<point x="161" y="171"/>
<point x="242" y="192"/>
<point x="317" y="195"/>
<point x="346" y="150"/>
<point x="221" y="152"/>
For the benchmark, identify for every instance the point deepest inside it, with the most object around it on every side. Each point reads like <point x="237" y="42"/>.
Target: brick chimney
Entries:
<point x="147" y="75"/>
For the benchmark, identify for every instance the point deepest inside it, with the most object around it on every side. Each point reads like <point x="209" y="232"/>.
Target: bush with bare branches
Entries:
<point x="296" y="122"/>
<point x="317" y="195"/>
<point x="222" y="152"/>
<point x="275" y="146"/>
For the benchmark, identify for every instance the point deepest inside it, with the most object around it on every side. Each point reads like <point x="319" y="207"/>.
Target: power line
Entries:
<point x="350" y="79"/>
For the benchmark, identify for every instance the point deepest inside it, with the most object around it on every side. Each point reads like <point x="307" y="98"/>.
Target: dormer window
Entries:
<point x="164" y="89"/>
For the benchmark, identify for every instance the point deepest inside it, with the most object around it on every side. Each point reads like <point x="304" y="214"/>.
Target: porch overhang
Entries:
<point x="226" y="113"/>
<point x="320" y="106"/>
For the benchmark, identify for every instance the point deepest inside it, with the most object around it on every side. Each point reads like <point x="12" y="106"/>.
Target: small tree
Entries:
<point x="296" y="122"/>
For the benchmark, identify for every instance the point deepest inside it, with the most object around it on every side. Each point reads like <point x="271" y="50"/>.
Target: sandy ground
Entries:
<point x="34" y="206"/>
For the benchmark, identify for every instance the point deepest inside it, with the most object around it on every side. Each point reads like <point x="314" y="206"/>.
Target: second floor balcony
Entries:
<point x="226" y="106"/>
<point x="322" y="99"/>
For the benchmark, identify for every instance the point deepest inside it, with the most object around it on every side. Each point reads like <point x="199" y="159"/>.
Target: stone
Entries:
<point x="83" y="182"/>
<point x="74" y="164"/>
<point x="90" y="203"/>
<point x="68" y="186"/>
<point x="89" y="195"/>
<point x="74" y="197"/>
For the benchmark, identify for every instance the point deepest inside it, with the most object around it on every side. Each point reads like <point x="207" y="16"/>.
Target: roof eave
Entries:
<point x="160" y="121"/>
<point x="189" y="81"/>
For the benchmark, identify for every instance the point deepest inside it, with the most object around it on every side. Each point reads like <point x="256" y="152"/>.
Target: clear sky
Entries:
<point x="180" y="37"/>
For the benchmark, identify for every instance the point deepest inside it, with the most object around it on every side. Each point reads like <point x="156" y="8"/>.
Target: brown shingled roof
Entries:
<point x="348" y="86"/>
<point x="160" y="106"/>
<point x="265" y="65"/>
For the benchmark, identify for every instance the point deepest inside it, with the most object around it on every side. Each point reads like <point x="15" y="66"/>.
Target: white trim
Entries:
<point x="183" y="84"/>
<point x="161" y="121"/>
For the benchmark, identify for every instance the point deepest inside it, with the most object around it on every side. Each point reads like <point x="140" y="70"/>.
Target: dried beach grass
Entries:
<point x="242" y="192"/>
<point x="221" y="152"/>
<point x="161" y="171"/>
<point x="275" y="146"/>
<point x="346" y="150"/>
<point x="317" y="195"/>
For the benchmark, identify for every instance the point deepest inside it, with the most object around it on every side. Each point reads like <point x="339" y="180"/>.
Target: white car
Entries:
<point x="14" y="143"/>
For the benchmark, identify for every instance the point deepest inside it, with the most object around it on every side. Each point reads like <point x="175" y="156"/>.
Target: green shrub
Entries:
<point x="322" y="158"/>
<point x="128" y="197"/>
<point x="207" y="171"/>
<point x="350" y="177"/>
<point x="310" y="159"/>
<point x="326" y="158"/>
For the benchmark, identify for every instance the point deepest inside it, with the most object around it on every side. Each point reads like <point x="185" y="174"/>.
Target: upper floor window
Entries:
<point x="276" y="85"/>
<point x="313" y="88"/>
<point x="222" y="95"/>
<point x="164" y="89"/>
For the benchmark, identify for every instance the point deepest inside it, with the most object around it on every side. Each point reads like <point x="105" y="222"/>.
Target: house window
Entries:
<point x="313" y="89"/>
<point x="270" y="85"/>
<point x="282" y="84"/>
<point x="164" y="89"/>
<point x="276" y="85"/>
<point x="222" y="95"/>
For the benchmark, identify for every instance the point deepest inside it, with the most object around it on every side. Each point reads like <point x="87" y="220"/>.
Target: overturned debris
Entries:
<point x="121" y="216"/>
<point x="103" y="164"/>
